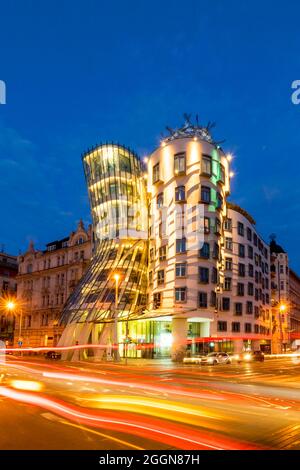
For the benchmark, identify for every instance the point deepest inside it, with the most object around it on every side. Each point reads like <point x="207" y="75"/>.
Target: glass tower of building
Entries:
<point x="113" y="289"/>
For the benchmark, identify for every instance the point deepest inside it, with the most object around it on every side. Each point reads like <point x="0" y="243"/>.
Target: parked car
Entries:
<point x="210" y="359"/>
<point x="250" y="356"/>
<point x="53" y="355"/>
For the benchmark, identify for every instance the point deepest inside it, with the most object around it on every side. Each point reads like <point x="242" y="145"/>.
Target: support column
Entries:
<point x="179" y="336"/>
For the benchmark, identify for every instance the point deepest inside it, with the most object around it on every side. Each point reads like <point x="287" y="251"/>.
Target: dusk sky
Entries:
<point x="81" y="72"/>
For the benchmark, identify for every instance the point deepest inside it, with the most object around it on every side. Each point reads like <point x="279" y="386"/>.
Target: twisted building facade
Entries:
<point x="99" y="310"/>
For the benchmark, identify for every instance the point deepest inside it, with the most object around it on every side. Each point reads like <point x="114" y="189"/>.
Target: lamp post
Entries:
<point x="282" y="309"/>
<point x="11" y="307"/>
<point x="115" y="325"/>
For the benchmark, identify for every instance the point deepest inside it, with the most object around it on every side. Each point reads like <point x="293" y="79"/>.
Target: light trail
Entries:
<point x="177" y="437"/>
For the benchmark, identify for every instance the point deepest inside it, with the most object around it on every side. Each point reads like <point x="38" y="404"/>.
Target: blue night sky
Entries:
<point x="81" y="72"/>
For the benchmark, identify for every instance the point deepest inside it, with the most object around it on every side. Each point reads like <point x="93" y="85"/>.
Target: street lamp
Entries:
<point x="115" y="331"/>
<point x="11" y="307"/>
<point x="282" y="309"/>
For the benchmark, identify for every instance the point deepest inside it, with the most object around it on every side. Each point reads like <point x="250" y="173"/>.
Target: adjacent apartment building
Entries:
<point x="8" y="288"/>
<point x="45" y="280"/>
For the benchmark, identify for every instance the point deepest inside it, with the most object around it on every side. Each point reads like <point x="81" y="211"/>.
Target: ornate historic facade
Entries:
<point x="45" y="281"/>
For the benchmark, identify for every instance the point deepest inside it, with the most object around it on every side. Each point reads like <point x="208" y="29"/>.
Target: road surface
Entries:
<point x="149" y="405"/>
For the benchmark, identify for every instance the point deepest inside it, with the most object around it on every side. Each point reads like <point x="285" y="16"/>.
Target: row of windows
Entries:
<point x="180" y="196"/>
<point x="180" y="168"/>
<point x="205" y="299"/>
<point x="250" y="253"/>
<point x="59" y="300"/>
<point x="251" y="236"/>
<point x="241" y="268"/>
<point x="236" y="328"/>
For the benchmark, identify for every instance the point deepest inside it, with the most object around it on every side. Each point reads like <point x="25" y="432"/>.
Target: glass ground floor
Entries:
<point x="154" y="338"/>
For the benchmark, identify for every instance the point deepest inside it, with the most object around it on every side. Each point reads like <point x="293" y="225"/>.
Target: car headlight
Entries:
<point x="247" y="357"/>
<point x="237" y="356"/>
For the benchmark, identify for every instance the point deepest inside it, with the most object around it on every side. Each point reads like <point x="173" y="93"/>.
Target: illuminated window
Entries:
<point x="206" y="225"/>
<point x="206" y="165"/>
<point x="179" y="163"/>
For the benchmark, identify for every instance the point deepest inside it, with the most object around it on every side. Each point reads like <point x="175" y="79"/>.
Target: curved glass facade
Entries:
<point x="118" y="200"/>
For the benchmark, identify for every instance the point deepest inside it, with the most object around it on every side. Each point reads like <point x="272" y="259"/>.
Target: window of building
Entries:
<point x="228" y="225"/>
<point x="281" y="285"/>
<point x="250" y="270"/>
<point x="214" y="275"/>
<point x="206" y="165"/>
<point x="180" y="245"/>
<point x="150" y="278"/>
<point x="225" y="304"/>
<point x="250" y="288"/>
<point x="228" y="264"/>
<point x="222" y="173"/>
<point x="228" y="243"/>
<point x="204" y="252"/>
<point x="227" y="283"/>
<point x="242" y="269"/>
<point x="256" y="328"/>
<point x="255" y="239"/>
<point x="249" y="234"/>
<point x="213" y="299"/>
<point x="151" y="254"/>
<point x="179" y="163"/>
<point x="240" y="229"/>
<point x="281" y="269"/>
<point x="217" y="226"/>
<point x="238" y="308"/>
<point x="180" y="193"/>
<point x="162" y="253"/>
<point x="240" y="289"/>
<point x="155" y="175"/>
<point x="219" y="201"/>
<point x="222" y="325"/>
<point x="206" y="225"/>
<point x="236" y="327"/>
<point x="180" y="269"/>
<point x="160" y="200"/>
<point x="202" y="299"/>
<point x="250" y="252"/>
<point x="248" y="328"/>
<point x="249" y="307"/>
<point x="156" y="300"/>
<point x="216" y="251"/>
<point x="180" y="294"/>
<point x="161" y="276"/>
<point x="203" y="275"/>
<point x="205" y="194"/>
<point x="241" y="250"/>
